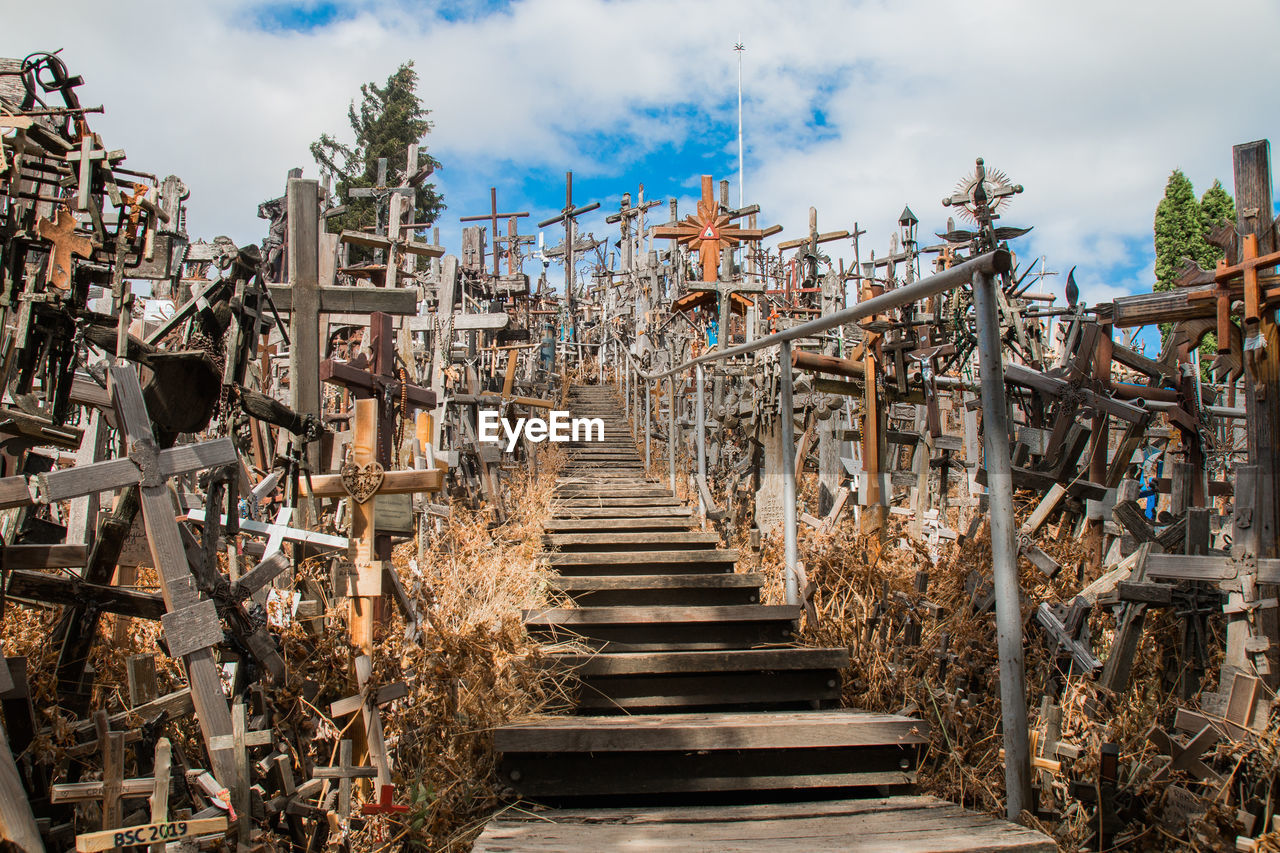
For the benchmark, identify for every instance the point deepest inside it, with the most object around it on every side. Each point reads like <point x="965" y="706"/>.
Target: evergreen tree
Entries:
<point x="388" y="120"/>
<point x="1181" y="226"/>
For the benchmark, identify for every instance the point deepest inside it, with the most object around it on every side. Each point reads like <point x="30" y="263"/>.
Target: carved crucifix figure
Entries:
<point x="711" y="230"/>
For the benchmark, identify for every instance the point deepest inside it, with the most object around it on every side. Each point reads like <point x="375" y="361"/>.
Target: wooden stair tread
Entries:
<point x="600" y="558"/>
<point x="764" y="730"/>
<point x="626" y="522"/>
<point x="619" y="539"/>
<point x="744" y="660"/>
<point x="683" y="581"/>
<point x="559" y="513"/>
<point x="661" y="614"/>
<point x="898" y="824"/>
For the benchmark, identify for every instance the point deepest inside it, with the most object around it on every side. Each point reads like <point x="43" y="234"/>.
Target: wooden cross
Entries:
<point x="384" y="804"/>
<point x="64" y="246"/>
<point x="367" y="702"/>
<point x="365" y="479"/>
<point x="345" y="771"/>
<point x="568" y="216"/>
<point x="808" y="246"/>
<point x="627" y="215"/>
<point x="191" y="625"/>
<point x="85" y="157"/>
<point x="239" y="741"/>
<point x="376" y="377"/>
<point x="1186" y="757"/>
<point x="1239" y="280"/>
<point x="278" y="532"/>
<point x="711" y="230"/>
<point x="492" y="218"/>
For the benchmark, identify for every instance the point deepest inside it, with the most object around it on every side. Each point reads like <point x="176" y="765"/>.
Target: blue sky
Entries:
<point x="852" y="106"/>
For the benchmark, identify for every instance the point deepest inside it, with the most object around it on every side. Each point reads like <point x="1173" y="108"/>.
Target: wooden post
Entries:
<point x="304" y="317"/>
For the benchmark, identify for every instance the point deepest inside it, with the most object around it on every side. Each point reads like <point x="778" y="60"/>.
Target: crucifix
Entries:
<point x="808" y="255"/>
<point x="382" y="196"/>
<point x="191" y="624"/>
<point x="492" y="218"/>
<point x="63" y="246"/>
<point x="568" y="217"/>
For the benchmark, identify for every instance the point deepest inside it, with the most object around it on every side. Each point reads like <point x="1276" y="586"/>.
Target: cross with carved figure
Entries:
<point x="64" y="244"/>
<point x="1233" y="281"/>
<point x="710" y="229"/>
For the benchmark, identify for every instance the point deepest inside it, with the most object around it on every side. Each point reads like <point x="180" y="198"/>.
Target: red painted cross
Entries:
<point x="384" y="804"/>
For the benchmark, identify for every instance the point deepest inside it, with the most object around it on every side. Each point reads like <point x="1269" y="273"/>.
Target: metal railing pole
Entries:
<point x="700" y="418"/>
<point x="648" y="437"/>
<point x="671" y="430"/>
<point x="791" y="578"/>
<point x="1004" y="553"/>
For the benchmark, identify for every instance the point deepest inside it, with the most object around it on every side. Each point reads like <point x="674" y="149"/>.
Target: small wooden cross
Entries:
<point x="492" y="218"/>
<point x="64" y="246"/>
<point x="239" y="741"/>
<point x="711" y="230"/>
<point x="1186" y="757"/>
<point x="344" y="772"/>
<point x="367" y="702"/>
<point x="384" y="804"/>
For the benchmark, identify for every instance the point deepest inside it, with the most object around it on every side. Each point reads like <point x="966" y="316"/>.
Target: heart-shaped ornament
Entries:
<point x="361" y="481"/>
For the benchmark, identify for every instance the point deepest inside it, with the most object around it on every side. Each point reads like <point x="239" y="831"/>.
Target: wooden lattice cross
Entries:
<point x="711" y="230"/>
<point x="191" y="624"/>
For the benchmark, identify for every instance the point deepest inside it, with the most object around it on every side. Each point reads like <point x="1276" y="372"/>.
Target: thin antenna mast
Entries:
<point x="739" y="48"/>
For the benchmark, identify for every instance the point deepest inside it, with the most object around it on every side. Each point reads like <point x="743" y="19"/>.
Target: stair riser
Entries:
<point x="711" y="597"/>
<point x="708" y="690"/>
<point x="613" y="773"/>
<point x="670" y="636"/>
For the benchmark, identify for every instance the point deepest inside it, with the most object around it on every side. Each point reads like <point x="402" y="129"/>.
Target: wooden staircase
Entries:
<point x="686" y="685"/>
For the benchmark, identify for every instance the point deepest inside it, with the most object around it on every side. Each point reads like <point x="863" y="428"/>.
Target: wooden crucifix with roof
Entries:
<point x="711" y="230"/>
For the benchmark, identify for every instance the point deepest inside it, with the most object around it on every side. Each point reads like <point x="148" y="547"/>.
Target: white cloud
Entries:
<point x="1088" y="104"/>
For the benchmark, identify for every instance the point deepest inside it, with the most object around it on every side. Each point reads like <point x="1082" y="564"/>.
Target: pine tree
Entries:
<point x="388" y="120"/>
<point x="1178" y="229"/>
<point x="1181" y="227"/>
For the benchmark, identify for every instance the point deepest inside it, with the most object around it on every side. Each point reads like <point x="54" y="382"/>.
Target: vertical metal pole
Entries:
<point x="671" y="430"/>
<point x="1004" y="554"/>
<point x="648" y="433"/>
<point x="700" y="418"/>
<point x="791" y="580"/>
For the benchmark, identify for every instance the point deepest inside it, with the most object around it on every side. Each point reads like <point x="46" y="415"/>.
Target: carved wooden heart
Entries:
<point x="361" y="481"/>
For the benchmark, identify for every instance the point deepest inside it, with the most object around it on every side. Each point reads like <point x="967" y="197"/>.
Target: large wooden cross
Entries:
<point x="711" y="230"/>
<point x="1240" y="281"/>
<point x="363" y="479"/>
<point x="492" y="218"/>
<point x="568" y="217"/>
<point x="191" y="624"/>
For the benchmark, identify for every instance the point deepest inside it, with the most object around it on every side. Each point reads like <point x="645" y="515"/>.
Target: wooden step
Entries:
<point x="675" y="753"/>
<point x="611" y="542"/>
<point x="616" y="501"/>
<point x="651" y="590"/>
<point x="663" y="511"/>
<point x="744" y="679"/>
<point x="644" y="562"/>
<point x="906" y="823"/>
<point x="658" y="629"/>
<point x="630" y="524"/>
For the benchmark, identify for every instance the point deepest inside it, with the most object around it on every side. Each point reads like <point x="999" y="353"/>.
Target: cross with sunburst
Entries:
<point x="710" y="229"/>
